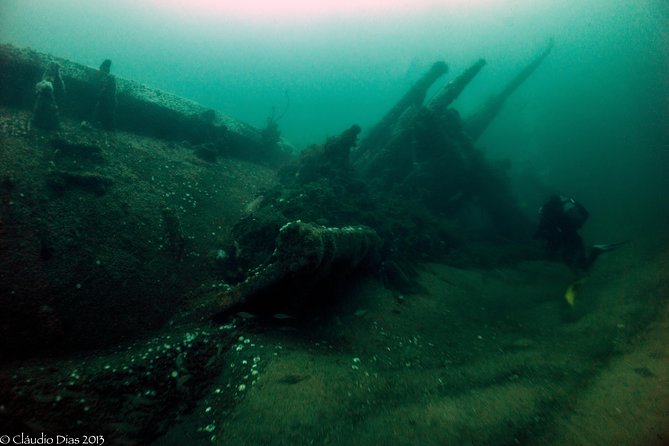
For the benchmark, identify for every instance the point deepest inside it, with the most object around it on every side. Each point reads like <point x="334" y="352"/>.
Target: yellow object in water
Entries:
<point x="570" y="294"/>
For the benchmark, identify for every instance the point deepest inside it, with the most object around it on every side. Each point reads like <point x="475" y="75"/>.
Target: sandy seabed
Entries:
<point x="476" y="357"/>
<point x="479" y="357"/>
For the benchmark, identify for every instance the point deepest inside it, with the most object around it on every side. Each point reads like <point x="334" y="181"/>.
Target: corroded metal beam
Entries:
<point x="475" y="125"/>
<point x="305" y="253"/>
<point x="379" y="134"/>
<point x="452" y="90"/>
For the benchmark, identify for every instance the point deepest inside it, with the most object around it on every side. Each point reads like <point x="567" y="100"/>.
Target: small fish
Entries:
<point x="292" y="379"/>
<point x="254" y="205"/>
<point x="245" y="315"/>
<point x="282" y="316"/>
<point x="570" y="294"/>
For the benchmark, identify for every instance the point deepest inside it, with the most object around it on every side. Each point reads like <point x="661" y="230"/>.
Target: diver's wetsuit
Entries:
<point x="559" y="220"/>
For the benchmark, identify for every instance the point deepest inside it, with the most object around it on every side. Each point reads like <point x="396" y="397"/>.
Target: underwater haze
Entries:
<point x="597" y="109"/>
<point x="169" y="278"/>
<point x="592" y="122"/>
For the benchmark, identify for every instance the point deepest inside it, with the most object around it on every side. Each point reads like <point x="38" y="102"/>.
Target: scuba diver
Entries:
<point x="560" y="218"/>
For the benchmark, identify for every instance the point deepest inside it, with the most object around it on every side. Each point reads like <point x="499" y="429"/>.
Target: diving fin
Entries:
<point x="570" y="294"/>
<point x="605" y="247"/>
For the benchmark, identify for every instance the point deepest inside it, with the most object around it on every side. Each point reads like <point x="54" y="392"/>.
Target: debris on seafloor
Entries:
<point x="336" y="211"/>
<point x="415" y="147"/>
<point x="304" y="253"/>
<point x="45" y="112"/>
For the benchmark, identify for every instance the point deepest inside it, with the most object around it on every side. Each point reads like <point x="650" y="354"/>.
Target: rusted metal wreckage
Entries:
<point x="416" y="148"/>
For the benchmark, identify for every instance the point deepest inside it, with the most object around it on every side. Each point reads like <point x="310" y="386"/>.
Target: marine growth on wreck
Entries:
<point x="172" y="275"/>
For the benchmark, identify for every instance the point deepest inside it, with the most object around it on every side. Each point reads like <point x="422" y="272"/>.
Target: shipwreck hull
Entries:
<point x="139" y="109"/>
